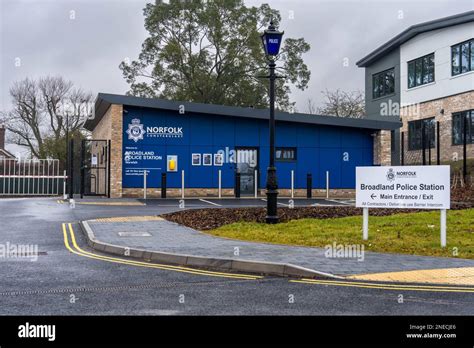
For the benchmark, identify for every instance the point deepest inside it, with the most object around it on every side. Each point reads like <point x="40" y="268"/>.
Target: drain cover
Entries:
<point x="134" y="234"/>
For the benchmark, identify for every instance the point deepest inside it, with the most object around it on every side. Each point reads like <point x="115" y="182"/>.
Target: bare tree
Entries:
<point x="340" y="103"/>
<point x="39" y="113"/>
<point x="311" y="106"/>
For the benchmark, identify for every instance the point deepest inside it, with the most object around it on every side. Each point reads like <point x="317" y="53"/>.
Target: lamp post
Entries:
<point x="271" y="40"/>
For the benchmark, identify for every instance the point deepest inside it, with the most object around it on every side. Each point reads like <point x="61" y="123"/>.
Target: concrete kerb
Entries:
<point x="217" y="264"/>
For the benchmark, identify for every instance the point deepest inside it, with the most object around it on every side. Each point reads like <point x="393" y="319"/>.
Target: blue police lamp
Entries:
<point x="271" y="39"/>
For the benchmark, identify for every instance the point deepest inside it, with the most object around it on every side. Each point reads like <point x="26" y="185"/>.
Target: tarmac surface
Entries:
<point x="63" y="282"/>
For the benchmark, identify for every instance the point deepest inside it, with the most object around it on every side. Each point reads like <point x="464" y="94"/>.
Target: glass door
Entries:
<point x="247" y="163"/>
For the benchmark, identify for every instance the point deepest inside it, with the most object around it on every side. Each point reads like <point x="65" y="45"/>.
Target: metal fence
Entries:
<point x="31" y="177"/>
<point x="430" y="148"/>
<point x="425" y="150"/>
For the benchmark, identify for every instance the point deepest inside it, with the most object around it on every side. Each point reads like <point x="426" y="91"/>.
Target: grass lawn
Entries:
<point x="415" y="233"/>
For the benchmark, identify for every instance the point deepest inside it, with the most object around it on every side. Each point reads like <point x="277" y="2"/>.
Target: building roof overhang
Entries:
<point x="411" y="32"/>
<point x="104" y="101"/>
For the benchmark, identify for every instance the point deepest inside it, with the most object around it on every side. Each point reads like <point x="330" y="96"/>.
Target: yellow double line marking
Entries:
<point x="433" y="288"/>
<point x="75" y="249"/>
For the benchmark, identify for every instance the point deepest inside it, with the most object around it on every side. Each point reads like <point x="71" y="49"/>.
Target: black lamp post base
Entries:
<point x="272" y="216"/>
<point x="272" y="196"/>
<point x="272" y="219"/>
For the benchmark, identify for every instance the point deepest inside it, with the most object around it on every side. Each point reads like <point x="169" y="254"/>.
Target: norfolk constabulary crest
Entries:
<point x="390" y="175"/>
<point x="135" y="130"/>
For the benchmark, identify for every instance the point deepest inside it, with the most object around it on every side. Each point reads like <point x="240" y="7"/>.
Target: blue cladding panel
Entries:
<point x="223" y="131"/>
<point x="202" y="130"/>
<point x="307" y="136"/>
<point x="352" y="157"/>
<point x="368" y="139"/>
<point x="284" y="173"/>
<point x="329" y="160"/>
<point x="158" y="134"/>
<point x="352" y="138"/>
<point x="286" y="134"/>
<point x="308" y="162"/>
<point x="330" y="137"/>
<point x="368" y="156"/>
<point x="246" y="132"/>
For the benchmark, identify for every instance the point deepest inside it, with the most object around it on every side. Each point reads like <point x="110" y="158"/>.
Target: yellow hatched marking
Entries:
<point x="452" y="276"/>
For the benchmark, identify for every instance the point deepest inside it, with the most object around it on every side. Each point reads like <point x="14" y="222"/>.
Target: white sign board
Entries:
<point x="94" y="160"/>
<point x="408" y="187"/>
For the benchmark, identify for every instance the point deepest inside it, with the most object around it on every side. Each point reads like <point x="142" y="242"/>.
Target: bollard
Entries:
<point x="309" y="186"/>
<point x="256" y="183"/>
<point x="327" y="184"/>
<point x="237" y="185"/>
<point x="220" y="183"/>
<point x="144" y="184"/>
<point x="64" y="186"/>
<point x="163" y="185"/>
<point x="182" y="184"/>
<point x="292" y="184"/>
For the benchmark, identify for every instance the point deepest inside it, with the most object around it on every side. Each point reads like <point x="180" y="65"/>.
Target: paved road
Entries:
<point x="101" y="287"/>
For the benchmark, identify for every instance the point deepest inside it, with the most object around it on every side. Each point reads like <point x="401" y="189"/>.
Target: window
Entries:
<point x="285" y="154"/>
<point x="458" y="127"/>
<point x="415" y="134"/>
<point x="462" y="57"/>
<point x="421" y="71"/>
<point x="383" y="83"/>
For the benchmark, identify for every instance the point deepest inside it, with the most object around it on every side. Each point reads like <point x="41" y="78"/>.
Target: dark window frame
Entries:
<point x="415" y="141"/>
<point x="381" y="77"/>
<point x="283" y="148"/>
<point x="424" y="71"/>
<point x="457" y="120"/>
<point x="458" y="46"/>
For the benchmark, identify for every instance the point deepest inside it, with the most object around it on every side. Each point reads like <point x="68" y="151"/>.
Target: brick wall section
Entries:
<point x="382" y="152"/>
<point x="452" y="104"/>
<point x="110" y="128"/>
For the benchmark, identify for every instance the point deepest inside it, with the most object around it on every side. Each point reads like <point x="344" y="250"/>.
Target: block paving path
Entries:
<point x="152" y="233"/>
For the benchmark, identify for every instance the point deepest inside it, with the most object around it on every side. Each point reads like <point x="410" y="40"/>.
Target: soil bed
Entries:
<point x="211" y="218"/>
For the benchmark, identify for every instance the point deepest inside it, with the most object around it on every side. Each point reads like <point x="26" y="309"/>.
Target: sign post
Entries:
<point x="406" y="187"/>
<point x="365" y="224"/>
<point x="443" y="227"/>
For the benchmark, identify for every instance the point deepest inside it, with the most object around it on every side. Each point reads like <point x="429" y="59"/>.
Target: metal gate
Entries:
<point x="31" y="177"/>
<point x="95" y="169"/>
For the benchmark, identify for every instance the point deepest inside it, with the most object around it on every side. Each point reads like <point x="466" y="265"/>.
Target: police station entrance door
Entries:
<point x="247" y="164"/>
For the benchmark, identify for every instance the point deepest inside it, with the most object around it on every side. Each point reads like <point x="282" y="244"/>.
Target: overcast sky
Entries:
<point x="86" y="40"/>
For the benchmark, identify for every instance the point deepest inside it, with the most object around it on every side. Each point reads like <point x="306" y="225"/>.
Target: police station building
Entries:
<point x="204" y="146"/>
